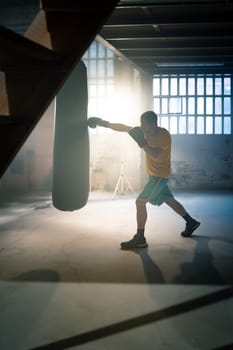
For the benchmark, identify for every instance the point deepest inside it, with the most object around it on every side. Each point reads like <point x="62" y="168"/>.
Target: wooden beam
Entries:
<point x="57" y="36"/>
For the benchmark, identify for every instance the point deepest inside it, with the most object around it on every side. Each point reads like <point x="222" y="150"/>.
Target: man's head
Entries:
<point x="149" y="122"/>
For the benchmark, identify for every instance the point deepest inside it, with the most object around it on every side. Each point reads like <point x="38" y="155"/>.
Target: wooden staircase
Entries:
<point x="34" y="67"/>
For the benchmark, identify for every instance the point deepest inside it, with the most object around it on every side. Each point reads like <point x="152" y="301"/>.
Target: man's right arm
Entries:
<point x="119" y="127"/>
<point x="93" y="122"/>
<point x="135" y="132"/>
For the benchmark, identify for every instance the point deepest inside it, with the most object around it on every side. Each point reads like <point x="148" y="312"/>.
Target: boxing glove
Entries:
<point x="93" y="122"/>
<point x="137" y="134"/>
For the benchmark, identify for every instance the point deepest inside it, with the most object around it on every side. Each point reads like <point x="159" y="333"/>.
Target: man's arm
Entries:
<point x="119" y="127"/>
<point x="93" y="122"/>
<point x="135" y="132"/>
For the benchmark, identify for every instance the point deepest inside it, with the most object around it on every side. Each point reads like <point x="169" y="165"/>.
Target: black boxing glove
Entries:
<point x="137" y="134"/>
<point x="93" y="122"/>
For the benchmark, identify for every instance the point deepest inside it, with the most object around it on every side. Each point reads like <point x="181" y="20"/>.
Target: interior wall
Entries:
<point x="31" y="169"/>
<point x="199" y="162"/>
<point x="116" y="154"/>
<point x="202" y="162"/>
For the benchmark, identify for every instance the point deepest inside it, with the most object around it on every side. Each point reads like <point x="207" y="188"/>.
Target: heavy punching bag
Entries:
<point x="70" y="186"/>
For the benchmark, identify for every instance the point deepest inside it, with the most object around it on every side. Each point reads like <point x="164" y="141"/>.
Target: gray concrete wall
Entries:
<point x="31" y="169"/>
<point x="202" y="162"/>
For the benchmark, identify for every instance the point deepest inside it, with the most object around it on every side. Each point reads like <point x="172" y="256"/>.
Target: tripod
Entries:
<point x="123" y="184"/>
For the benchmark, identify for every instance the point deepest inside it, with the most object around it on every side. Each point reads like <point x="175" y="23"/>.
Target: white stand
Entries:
<point x="123" y="184"/>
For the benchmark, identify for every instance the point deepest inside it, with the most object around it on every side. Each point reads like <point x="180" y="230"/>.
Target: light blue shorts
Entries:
<point x="156" y="191"/>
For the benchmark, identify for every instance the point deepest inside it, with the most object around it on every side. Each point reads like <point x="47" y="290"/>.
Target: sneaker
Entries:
<point x="135" y="242"/>
<point x="190" y="228"/>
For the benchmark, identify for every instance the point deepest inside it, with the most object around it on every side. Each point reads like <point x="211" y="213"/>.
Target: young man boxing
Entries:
<point x="156" y="142"/>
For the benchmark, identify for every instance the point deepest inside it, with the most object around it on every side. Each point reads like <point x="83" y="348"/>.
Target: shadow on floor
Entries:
<point x="201" y="270"/>
<point x="37" y="276"/>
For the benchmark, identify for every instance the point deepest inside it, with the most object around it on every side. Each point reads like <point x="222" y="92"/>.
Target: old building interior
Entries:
<point x="68" y="191"/>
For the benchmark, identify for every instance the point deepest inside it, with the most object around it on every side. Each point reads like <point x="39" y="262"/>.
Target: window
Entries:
<point x="100" y="67"/>
<point x="194" y="103"/>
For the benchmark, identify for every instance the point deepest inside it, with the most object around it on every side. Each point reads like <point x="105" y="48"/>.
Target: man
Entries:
<point x="156" y="142"/>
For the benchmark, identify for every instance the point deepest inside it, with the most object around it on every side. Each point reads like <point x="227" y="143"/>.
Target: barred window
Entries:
<point x="100" y="70"/>
<point x="194" y="104"/>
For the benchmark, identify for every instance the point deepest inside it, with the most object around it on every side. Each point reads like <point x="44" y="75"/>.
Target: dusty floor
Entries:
<point x="66" y="284"/>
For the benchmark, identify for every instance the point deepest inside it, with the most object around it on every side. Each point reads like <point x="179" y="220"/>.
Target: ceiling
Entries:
<point x="158" y="36"/>
<point x="170" y="36"/>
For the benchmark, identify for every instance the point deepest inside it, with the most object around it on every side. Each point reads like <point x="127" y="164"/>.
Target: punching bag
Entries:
<point x="70" y="187"/>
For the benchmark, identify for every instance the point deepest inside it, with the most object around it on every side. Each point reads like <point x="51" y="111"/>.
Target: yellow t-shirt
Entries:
<point x="161" y="165"/>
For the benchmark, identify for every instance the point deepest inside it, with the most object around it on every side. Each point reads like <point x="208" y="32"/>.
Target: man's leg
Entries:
<point x="176" y="206"/>
<point x="191" y="223"/>
<point x="141" y="214"/>
<point x="138" y="241"/>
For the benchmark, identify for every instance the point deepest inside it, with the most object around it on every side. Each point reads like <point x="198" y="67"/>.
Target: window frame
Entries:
<point x="199" y="94"/>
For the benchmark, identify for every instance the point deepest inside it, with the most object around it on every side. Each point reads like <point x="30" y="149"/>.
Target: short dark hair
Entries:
<point x="150" y="116"/>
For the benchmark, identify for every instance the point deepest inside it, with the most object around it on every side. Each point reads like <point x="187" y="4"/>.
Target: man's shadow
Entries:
<point x="152" y="272"/>
<point x="201" y="270"/>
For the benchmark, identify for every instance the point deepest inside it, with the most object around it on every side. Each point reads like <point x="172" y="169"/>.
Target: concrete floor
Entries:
<point x="65" y="283"/>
